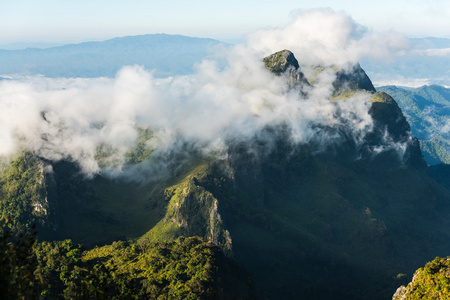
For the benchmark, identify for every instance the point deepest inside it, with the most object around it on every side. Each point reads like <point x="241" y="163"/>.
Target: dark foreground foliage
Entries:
<point x="17" y="263"/>
<point x="187" y="268"/>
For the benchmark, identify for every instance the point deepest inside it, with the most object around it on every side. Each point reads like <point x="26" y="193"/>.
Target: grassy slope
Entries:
<point x="102" y="210"/>
<point x="119" y="210"/>
<point x="169" y="227"/>
<point x="192" y="210"/>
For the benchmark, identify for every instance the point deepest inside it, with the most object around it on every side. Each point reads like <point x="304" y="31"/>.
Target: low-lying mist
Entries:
<point x="98" y="123"/>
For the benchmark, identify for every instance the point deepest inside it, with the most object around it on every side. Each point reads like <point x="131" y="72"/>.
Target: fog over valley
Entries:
<point x="70" y="118"/>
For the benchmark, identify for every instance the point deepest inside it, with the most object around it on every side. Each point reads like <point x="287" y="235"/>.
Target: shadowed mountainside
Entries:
<point x="339" y="221"/>
<point x="427" y="109"/>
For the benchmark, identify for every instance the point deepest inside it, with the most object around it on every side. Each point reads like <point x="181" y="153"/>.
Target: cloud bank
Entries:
<point x="326" y="37"/>
<point x="75" y="118"/>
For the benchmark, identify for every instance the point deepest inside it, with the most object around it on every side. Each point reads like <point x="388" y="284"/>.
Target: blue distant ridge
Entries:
<point x="167" y="55"/>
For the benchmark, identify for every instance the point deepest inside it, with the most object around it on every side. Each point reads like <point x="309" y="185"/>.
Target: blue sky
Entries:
<point x="62" y="21"/>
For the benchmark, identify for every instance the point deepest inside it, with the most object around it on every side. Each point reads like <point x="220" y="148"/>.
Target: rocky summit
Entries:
<point x="283" y="62"/>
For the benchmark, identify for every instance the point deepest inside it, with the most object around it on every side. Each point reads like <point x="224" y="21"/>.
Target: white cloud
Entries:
<point x="70" y="118"/>
<point x="323" y="36"/>
<point x="443" y="52"/>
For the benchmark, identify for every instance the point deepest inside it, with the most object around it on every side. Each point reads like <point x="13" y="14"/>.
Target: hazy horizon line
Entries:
<point x="21" y="45"/>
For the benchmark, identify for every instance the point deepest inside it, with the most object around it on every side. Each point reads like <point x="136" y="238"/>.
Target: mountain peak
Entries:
<point x="353" y="79"/>
<point x="280" y="61"/>
<point x="284" y="61"/>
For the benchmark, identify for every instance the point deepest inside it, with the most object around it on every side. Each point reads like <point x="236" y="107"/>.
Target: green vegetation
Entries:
<point x="23" y="198"/>
<point x="298" y="211"/>
<point x="354" y="79"/>
<point x="185" y="268"/>
<point x="427" y="110"/>
<point x="430" y="282"/>
<point x="141" y="151"/>
<point x="17" y="263"/>
<point x="348" y="82"/>
<point x="109" y="157"/>
<point x="436" y="149"/>
<point x="313" y="72"/>
<point x="58" y="266"/>
<point x="192" y="210"/>
<point x="101" y="210"/>
<point x="345" y="94"/>
<point x="279" y="62"/>
<point x="382" y="97"/>
<point x="283" y="61"/>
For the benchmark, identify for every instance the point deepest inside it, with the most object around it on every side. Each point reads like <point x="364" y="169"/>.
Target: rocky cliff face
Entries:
<point x="24" y="194"/>
<point x="285" y="63"/>
<point x="193" y="210"/>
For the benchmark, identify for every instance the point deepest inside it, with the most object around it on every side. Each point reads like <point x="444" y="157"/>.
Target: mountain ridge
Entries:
<point x="415" y="64"/>
<point x="167" y="54"/>
<point x="336" y="220"/>
<point x="427" y="108"/>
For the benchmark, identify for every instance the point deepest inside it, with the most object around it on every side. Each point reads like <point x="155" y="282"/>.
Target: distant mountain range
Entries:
<point x="423" y="63"/>
<point x="427" y="110"/>
<point x="166" y="54"/>
<point x="171" y="55"/>
<point x="25" y="45"/>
